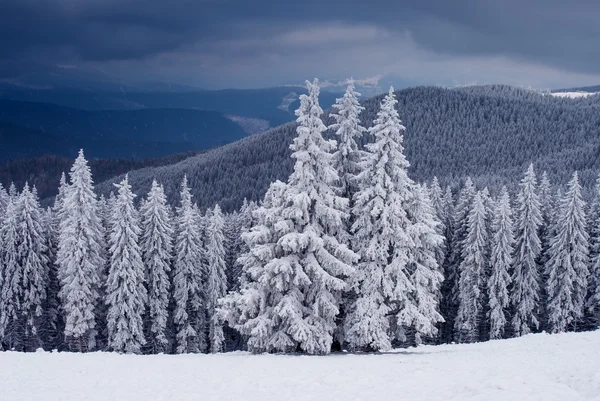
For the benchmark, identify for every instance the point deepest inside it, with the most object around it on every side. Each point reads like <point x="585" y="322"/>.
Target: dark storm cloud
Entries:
<point x="553" y="33"/>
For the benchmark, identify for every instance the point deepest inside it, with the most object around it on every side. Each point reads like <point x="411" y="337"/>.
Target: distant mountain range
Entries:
<point x="273" y="105"/>
<point x="31" y="129"/>
<point x="490" y="133"/>
<point x="117" y="124"/>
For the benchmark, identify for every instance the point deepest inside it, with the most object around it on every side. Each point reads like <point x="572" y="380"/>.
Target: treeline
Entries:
<point x="348" y="253"/>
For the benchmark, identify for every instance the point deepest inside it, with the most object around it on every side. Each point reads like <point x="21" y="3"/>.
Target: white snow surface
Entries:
<point x="563" y="367"/>
<point x="573" y="95"/>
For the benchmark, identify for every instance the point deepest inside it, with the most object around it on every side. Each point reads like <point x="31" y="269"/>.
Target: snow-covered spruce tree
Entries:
<point x="423" y="267"/>
<point x="450" y="288"/>
<point x="4" y="199"/>
<point x="33" y="264"/>
<point x="80" y="258"/>
<point x="447" y="305"/>
<point x="308" y="270"/>
<point x="10" y="278"/>
<point x="473" y="266"/>
<point x="12" y="190"/>
<point x="51" y="327"/>
<point x="264" y="284"/>
<point x="441" y="214"/>
<point x="593" y="301"/>
<point x="316" y="218"/>
<point x="232" y="231"/>
<point x="567" y="266"/>
<point x="188" y="278"/>
<point x="502" y="251"/>
<point x="246" y="222"/>
<point x="157" y="252"/>
<point x="525" y="292"/>
<point x="216" y="280"/>
<point x="126" y="295"/>
<point x="381" y="236"/>
<point x="346" y="159"/>
<point x="546" y="232"/>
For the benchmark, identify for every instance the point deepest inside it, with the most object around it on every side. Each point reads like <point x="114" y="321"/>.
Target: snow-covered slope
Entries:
<point x="563" y="367"/>
<point x="573" y="95"/>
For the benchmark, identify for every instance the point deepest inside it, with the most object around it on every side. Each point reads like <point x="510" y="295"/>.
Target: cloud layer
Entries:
<point x="221" y="43"/>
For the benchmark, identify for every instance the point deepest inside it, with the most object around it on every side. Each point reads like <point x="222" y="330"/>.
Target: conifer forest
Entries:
<point x="348" y="253"/>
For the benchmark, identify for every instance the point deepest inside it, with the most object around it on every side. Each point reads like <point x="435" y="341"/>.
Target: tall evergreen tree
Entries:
<point x="310" y="255"/>
<point x="33" y="266"/>
<point x="157" y="252"/>
<point x="188" y="278"/>
<point x="593" y="301"/>
<point x="264" y="283"/>
<point x="567" y="266"/>
<point x="348" y="129"/>
<point x="382" y="238"/>
<point x="525" y="293"/>
<point x="4" y="199"/>
<point x="126" y="295"/>
<point x="472" y="268"/>
<point x="52" y="328"/>
<point x="451" y="288"/>
<point x="447" y="305"/>
<point x="80" y="257"/>
<point x="10" y="278"/>
<point x="423" y="266"/>
<point x="216" y="286"/>
<point x="441" y="215"/>
<point x="545" y="233"/>
<point x="503" y="242"/>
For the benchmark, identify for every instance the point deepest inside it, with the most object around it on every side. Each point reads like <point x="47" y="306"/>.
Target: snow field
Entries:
<point x="563" y="367"/>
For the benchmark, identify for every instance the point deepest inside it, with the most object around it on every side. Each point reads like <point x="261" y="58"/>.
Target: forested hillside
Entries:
<point x="488" y="132"/>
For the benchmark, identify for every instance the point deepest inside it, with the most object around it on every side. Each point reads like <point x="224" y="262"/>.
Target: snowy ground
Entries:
<point x="537" y="367"/>
<point x="573" y="94"/>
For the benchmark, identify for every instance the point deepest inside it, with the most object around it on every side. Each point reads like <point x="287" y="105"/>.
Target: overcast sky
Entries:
<point x="258" y="43"/>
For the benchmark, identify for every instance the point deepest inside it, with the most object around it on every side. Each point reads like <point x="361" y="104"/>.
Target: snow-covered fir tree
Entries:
<point x="447" y="305"/>
<point x="545" y="234"/>
<point x="4" y="199"/>
<point x="246" y="222"/>
<point x="502" y="250"/>
<point x="423" y="266"/>
<point x="437" y="201"/>
<point x="10" y="278"/>
<point x="157" y="253"/>
<point x="525" y="293"/>
<point x="348" y="129"/>
<point x="232" y="231"/>
<point x="473" y="267"/>
<point x="381" y="236"/>
<point x="216" y="280"/>
<point x="126" y="294"/>
<point x="450" y="290"/>
<point x="33" y="265"/>
<point x="311" y="257"/>
<point x="52" y="327"/>
<point x="188" y="274"/>
<point x="250" y="308"/>
<point x="80" y="257"/>
<point x="593" y="301"/>
<point x="567" y="264"/>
